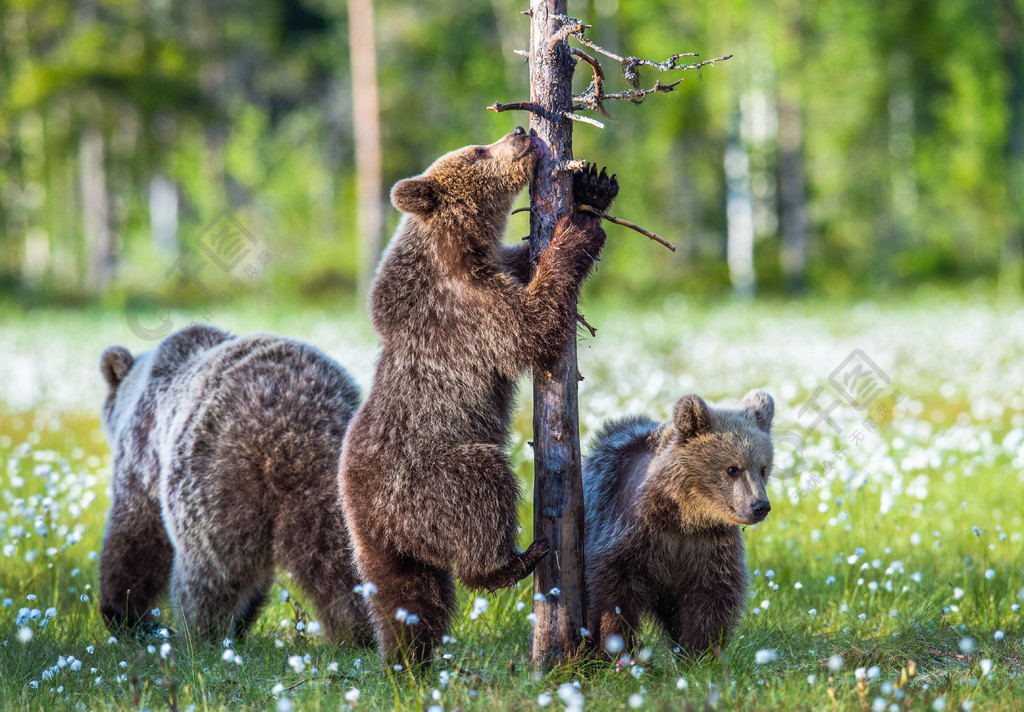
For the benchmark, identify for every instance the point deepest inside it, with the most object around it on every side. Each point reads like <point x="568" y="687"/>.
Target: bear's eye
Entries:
<point x="732" y="470"/>
<point x="480" y="152"/>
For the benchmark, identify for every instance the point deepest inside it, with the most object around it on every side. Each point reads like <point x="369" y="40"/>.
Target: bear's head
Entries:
<point x="475" y="181"/>
<point x="715" y="462"/>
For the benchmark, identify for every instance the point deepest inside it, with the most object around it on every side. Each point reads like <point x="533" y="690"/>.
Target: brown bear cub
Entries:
<point x="225" y="457"/>
<point x="425" y="477"/>
<point x="664" y="504"/>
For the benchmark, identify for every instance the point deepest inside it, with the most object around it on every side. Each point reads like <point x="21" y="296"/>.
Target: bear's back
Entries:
<point x="262" y="409"/>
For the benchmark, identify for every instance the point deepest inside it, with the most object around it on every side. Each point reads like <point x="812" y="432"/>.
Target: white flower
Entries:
<point x="228" y="656"/>
<point x="998" y="635"/>
<point x="24" y="635"/>
<point x="314" y="628"/>
<point x="51" y="612"/>
<point x="401" y="614"/>
<point x="277" y="689"/>
<point x="165" y="650"/>
<point x="636" y="701"/>
<point x="614" y="644"/>
<point x="958" y="593"/>
<point x="873" y="672"/>
<point x="285" y="595"/>
<point x="366" y="589"/>
<point x="986" y="667"/>
<point x="990" y="574"/>
<point x="765" y="655"/>
<point x="520" y="605"/>
<point x="479" y="607"/>
<point x="284" y="704"/>
<point x="966" y="645"/>
<point x="296" y="663"/>
<point x="835" y="663"/>
<point x="352" y="695"/>
<point x="543" y="699"/>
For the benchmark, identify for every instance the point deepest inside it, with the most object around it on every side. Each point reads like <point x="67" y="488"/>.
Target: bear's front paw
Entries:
<point x="593" y="189"/>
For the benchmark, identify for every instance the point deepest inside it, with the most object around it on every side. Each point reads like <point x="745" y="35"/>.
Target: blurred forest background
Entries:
<point x="182" y="151"/>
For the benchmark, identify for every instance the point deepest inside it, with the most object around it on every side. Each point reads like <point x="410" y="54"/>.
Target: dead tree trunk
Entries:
<point x="366" y="129"/>
<point x="558" y="485"/>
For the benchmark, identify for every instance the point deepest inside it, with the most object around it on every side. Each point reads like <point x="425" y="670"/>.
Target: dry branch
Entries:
<point x="593" y="332"/>
<point x="627" y="223"/>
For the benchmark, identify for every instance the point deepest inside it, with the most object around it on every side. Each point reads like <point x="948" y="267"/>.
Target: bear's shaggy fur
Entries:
<point x="664" y="504"/>
<point x="225" y="456"/>
<point x="425" y="477"/>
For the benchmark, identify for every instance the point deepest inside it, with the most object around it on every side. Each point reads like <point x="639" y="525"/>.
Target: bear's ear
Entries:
<point x="762" y="406"/>
<point x="691" y="416"/>
<point x="415" y="195"/>
<point x="115" y="363"/>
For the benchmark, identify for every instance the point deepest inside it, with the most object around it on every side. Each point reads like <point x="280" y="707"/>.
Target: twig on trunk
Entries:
<point x="516" y="106"/>
<point x="591" y="329"/>
<point x="626" y="223"/>
<point x="583" y="119"/>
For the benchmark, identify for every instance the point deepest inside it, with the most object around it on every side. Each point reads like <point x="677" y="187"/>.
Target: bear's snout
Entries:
<point x="759" y="510"/>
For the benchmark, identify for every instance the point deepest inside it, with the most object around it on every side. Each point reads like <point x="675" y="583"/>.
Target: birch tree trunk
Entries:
<point x="558" y="486"/>
<point x="366" y="129"/>
<point x="1011" y="262"/>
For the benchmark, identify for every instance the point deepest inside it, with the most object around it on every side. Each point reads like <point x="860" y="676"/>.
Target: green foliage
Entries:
<point x="245" y="107"/>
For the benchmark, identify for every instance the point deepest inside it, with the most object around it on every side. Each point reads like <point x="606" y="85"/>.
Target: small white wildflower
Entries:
<point x="835" y="663"/>
<point x="285" y="595"/>
<point x="520" y="605"/>
<point x="24" y="635"/>
<point x="958" y="593"/>
<point x="352" y="695"/>
<point x="314" y="628"/>
<point x="636" y="671"/>
<point x="584" y="632"/>
<point x="976" y="530"/>
<point x="539" y="597"/>
<point x="300" y="626"/>
<point x="939" y="704"/>
<point x="798" y="585"/>
<point x="366" y="589"/>
<point x="998" y="635"/>
<point x="874" y="672"/>
<point x="765" y="655"/>
<point x="878" y="705"/>
<point x="614" y="644"/>
<point x="860" y="673"/>
<point x="228" y="656"/>
<point x="543" y="699"/>
<point x="990" y="574"/>
<point x="812" y="612"/>
<point x="396" y="668"/>
<point x="479" y="608"/>
<point x="227" y="642"/>
<point x="966" y="645"/>
<point x="986" y="666"/>
<point x="401" y="614"/>
<point x="636" y="701"/>
<point x="532" y="617"/>
<point x="150" y="649"/>
<point x="555" y="591"/>
<point x="811" y="679"/>
<point x="769" y="574"/>
<point x="682" y="684"/>
<point x="75" y="665"/>
<point x="84" y="597"/>
<point x="90" y="649"/>
<point x="284" y="704"/>
<point x="277" y="689"/>
<point x="165" y="650"/>
<point x="438" y="708"/>
<point x="155" y="612"/>
<point x="50" y="612"/>
<point x="830" y="580"/>
<point x="296" y="663"/>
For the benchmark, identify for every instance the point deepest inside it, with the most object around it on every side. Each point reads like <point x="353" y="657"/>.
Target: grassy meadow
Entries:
<point x="889" y="575"/>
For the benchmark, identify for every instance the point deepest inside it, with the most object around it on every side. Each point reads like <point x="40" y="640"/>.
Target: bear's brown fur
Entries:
<point x="225" y="456"/>
<point x="664" y="504"/>
<point x="426" y="481"/>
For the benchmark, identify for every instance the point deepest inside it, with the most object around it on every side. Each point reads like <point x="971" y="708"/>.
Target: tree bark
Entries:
<point x="366" y="130"/>
<point x="558" y="485"/>
<point x="99" y="239"/>
<point x="1011" y="261"/>
<point x="793" y="194"/>
<point x="739" y="203"/>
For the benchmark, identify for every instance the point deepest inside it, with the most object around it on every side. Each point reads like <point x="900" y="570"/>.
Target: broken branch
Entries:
<point x="516" y="106"/>
<point x="626" y="223"/>
<point x="583" y="321"/>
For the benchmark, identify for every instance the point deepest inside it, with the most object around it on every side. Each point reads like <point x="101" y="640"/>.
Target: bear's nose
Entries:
<point x="761" y="509"/>
<point x="518" y="131"/>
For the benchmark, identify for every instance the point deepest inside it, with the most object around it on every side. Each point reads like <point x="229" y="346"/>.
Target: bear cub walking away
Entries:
<point x="425" y="476"/>
<point x="225" y="456"/>
<point x="664" y="504"/>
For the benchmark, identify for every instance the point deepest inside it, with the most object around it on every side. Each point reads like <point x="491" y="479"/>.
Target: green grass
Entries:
<point x="909" y="549"/>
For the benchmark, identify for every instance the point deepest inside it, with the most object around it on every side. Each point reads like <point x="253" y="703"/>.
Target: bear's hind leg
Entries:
<point x="312" y="542"/>
<point x="212" y="603"/>
<point x="135" y="563"/>
<point x="412" y="606"/>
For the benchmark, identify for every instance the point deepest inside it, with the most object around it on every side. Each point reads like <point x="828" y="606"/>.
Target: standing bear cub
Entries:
<point x="664" y="504"/>
<point x="225" y="456"/>
<point x="426" y="481"/>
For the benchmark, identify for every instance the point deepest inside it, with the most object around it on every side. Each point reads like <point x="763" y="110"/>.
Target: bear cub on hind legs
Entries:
<point x="664" y="504"/>
<point x="428" y="490"/>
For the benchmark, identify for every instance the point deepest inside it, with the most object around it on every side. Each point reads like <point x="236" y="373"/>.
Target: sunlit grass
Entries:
<point x="892" y="575"/>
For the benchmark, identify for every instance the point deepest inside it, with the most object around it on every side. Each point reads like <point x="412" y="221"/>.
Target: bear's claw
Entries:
<point x="594" y="189"/>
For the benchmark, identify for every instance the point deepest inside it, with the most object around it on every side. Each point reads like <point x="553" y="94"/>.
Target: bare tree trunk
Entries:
<point x="366" y="129"/>
<point x="739" y="205"/>
<point x="1011" y="262"/>
<point x="558" y="485"/>
<point x="793" y="194"/>
<point x="100" y="252"/>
